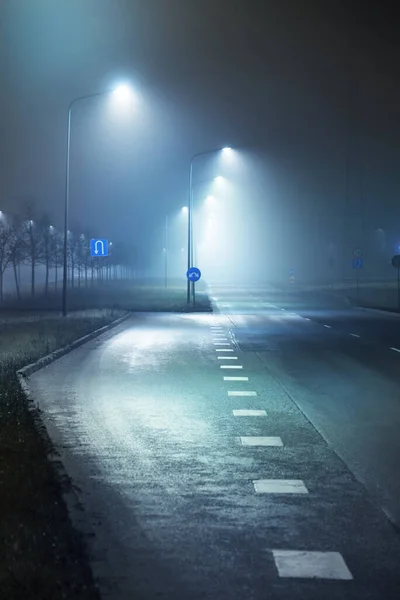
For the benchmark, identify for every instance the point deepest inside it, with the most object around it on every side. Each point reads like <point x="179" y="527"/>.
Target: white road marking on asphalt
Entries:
<point x="230" y="367"/>
<point x="221" y="343"/>
<point x="227" y="357"/>
<point x="306" y="319"/>
<point x="395" y="349"/>
<point x="223" y="349"/>
<point x="328" y="326"/>
<point x="236" y="378"/>
<point x="249" y="413"/>
<point x="279" y="486"/>
<point x="241" y="393"/>
<point x="283" y="308"/>
<point x="355" y="335"/>
<point x="251" y="440"/>
<point x="313" y="565"/>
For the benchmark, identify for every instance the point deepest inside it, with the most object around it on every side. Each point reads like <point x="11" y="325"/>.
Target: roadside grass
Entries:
<point x="371" y="294"/>
<point x="42" y="557"/>
<point x="145" y="295"/>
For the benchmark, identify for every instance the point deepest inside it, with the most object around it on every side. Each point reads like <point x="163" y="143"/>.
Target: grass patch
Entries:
<point x="147" y="295"/>
<point x="42" y="557"/>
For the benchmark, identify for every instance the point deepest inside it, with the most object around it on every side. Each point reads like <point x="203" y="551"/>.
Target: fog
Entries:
<point x="306" y="96"/>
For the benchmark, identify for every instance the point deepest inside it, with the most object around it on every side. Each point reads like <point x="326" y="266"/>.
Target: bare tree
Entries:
<point x="57" y="253"/>
<point x="6" y="237"/>
<point x="16" y="254"/>
<point x="33" y="242"/>
<point x="46" y="254"/>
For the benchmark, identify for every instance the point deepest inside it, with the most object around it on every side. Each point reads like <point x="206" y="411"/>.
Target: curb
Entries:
<point x="50" y="358"/>
<point x="75" y="509"/>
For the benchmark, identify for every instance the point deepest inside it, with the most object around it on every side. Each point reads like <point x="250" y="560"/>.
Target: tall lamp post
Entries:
<point x="119" y="89"/>
<point x="190" y="215"/>
<point x="166" y="252"/>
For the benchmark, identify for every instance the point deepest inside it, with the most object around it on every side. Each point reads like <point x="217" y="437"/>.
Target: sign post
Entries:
<point x="357" y="265"/>
<point x="193" y="274"/>
<point x="396" y="264"/>
<point x="331" y="263"/>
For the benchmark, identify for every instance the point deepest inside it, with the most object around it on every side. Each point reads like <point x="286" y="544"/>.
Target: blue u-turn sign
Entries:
<point x="99" y="247"/>
<point x="193" y="274"/>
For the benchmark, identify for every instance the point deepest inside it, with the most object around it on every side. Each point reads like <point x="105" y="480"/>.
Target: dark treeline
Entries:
<point x="30" y="240"/>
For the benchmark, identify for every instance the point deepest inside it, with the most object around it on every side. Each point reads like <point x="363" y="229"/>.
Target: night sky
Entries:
<point x="305" y="90"/>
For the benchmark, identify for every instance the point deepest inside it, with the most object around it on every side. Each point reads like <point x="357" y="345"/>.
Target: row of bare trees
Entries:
<point x="35" y="243"/>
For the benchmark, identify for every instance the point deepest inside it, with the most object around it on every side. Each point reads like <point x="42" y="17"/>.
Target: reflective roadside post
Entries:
<point x="396" y="265"/>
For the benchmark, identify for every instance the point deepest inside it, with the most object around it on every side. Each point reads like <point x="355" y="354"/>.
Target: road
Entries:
<point x="245" y="454"/>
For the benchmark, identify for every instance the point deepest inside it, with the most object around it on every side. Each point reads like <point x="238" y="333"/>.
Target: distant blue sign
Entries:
<point x="193" y="274"/>
<point x="357" y="263"/>
<point x="291" y="271"/>
<point x="99" y="247"/>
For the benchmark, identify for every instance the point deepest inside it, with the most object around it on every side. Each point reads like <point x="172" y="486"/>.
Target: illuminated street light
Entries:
<point x="190" y="218"/>
<point x="184" y="209"/>
<point x="121" y="91"/>
<point x="226" y="149"/>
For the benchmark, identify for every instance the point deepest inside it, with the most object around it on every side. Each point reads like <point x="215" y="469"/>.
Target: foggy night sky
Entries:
<point x="205" y="73"/>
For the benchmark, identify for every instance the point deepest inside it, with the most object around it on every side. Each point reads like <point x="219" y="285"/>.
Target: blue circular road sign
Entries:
<point x="193" y="274"/>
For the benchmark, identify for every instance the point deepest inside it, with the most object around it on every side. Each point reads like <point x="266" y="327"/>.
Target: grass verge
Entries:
<point x="42" y="557"/>
<point x="146" y="295"/>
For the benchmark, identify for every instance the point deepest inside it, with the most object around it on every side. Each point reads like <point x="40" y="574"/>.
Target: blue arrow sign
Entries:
<point x="99" y="247"/>
<point x="193" y="274"/>
<point x="357" y="263"/>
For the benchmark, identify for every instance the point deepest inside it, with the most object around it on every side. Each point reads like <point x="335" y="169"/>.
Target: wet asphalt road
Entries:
<point x="190" y="497"/>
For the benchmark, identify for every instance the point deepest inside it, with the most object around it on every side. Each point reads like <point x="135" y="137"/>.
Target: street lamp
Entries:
<point x="190" y="217"/>
<point x="119" y="91"/>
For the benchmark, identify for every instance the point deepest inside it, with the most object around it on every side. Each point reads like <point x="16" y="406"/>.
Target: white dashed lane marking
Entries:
<point x="311" y="565"/>
<point x="328" y="326"/>
<point x="221" y="343"/>
<point x="249" y="413"/>
<point x="241" y="393"/>
<point x="236" y="378"/>
<point x="395" y="349"/>
<point x="227" y="357"/>
<point x="230" y="367"/>
<point x="279" y="486"/>
<point x="260" y="441"/>
<point x="355" y="335"/>
<point x="223" y="349"/>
